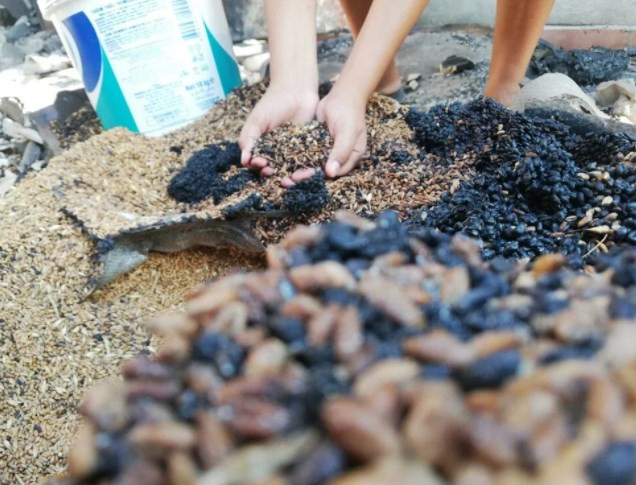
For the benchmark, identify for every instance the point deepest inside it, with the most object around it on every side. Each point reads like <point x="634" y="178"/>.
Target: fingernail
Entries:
<point x="332" y="168"/>
<point x="245" y="157"/>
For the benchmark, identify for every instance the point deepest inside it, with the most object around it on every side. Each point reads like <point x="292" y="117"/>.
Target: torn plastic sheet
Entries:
<point x="127" y="250"/>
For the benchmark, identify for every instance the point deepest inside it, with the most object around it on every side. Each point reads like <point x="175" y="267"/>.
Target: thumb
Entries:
<point x="344" y="143"/>
<point x="252" y="131"/>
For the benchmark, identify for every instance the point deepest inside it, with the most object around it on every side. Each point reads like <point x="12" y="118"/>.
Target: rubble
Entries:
<point x="29" y="58"/>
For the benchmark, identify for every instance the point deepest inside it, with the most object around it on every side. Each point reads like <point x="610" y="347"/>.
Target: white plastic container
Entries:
<point x="151" y="66"/>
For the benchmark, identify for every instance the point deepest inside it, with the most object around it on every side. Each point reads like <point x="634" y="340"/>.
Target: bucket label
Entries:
<point x="149" y="65"/>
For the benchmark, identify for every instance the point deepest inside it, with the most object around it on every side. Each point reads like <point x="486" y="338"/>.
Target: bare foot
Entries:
<point x="391" y="82"/>
<point x="502" y="93"/>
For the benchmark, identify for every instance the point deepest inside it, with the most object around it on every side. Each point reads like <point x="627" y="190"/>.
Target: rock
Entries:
<point x="20" y="29"/>
<point x="544" y="90"/>
<point x="31" y="154"/>
<point x="10" y="56"/>
<point x="6" y="19"/>
<point x="609" y="92"/>
<point x="36" y="64"/>
<point x="30" y="45"/>
<point x="16" y="8"/>
<point x="39" y="165"/>
<point x="621" y="96"/>
<point x="7" y="182"/>
<point x="257" y="63"/>
<point x="455" y="65"/>
<point x="249" y="48"/>
<point x="12" y="108"/>
<point x="16" y="130"/>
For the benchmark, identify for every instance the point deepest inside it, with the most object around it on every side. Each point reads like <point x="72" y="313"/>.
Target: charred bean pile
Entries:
<point x="213" y="172"/>
<point x="539" y="187"/>
<point x="585" y="66"/>
<point x="366" y="353"/>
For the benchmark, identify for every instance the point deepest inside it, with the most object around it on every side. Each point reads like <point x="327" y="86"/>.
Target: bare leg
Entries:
<point x="356" y="12"/>
<point x="518" y="26"/>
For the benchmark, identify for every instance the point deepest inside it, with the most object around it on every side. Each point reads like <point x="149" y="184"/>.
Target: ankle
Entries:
<point x="502" y="92"/>
<point x="391" y="82"/>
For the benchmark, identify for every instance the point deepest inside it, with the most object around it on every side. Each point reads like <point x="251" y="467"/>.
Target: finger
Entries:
<point x="249" y="134"/>
<point x="344" y="143"/>
<point x="303" y="174"/>
<point x="258" y="162"/>
<point x="320" y="112"/>
<point x="356" y="155"/>
<point x="287" y="182"/>
<point x="267" y="172"/>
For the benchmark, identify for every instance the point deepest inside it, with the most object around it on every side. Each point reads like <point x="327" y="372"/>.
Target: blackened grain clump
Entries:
<point x="309" y="196"/>
<point x="540" y="187"/>
<point x="203" y="175"/>
<point x="585" y="66"/>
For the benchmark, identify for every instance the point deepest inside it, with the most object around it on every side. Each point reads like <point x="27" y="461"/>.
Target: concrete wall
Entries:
<point x="565" y="12"/>
<point x="247" y="19"/>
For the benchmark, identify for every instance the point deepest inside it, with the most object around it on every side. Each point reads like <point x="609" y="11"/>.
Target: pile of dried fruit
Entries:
<point x="365" y="354"/>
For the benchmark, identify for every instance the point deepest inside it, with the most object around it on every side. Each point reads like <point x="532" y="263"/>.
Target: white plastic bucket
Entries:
<point x="148" y="65"/>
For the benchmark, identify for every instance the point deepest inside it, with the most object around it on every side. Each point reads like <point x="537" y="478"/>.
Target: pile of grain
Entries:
<point x="53" y="342"/>
<point x="368" y="355"/>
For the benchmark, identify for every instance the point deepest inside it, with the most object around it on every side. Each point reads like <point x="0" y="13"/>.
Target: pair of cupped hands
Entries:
<point x="342" y="111"/>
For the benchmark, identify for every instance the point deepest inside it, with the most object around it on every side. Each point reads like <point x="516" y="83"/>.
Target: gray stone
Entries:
<point x="17" y="8"/>
<point x="31" y="44"/>
<point x="7" y="182"/>
<point x="31" y="154"/>
<point x="10" y="56"/>
<point x="555" y="86"/>
<point x="36" y="64"/>
<point x="257" y="63"/>
<point x="16" y="130"/>
<point x="6" y="19"/>
<point x="20" y="29"/>
<point x="12" y="108"/>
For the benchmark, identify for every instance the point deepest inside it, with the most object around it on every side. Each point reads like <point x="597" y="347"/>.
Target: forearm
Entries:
<point x="292" y="42"/>
<point x="386" y="26"/>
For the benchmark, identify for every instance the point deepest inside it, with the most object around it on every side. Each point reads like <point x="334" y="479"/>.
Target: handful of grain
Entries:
<point x="365" y="354"/>
<point x="292" y="147"/>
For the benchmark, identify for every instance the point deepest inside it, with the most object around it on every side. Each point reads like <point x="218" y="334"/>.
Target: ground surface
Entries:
<point x="54" y="343"/>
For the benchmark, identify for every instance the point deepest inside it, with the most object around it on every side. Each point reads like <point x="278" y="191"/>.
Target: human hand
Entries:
<point x="344" y="114"/>
<point x="277" y="107"/>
